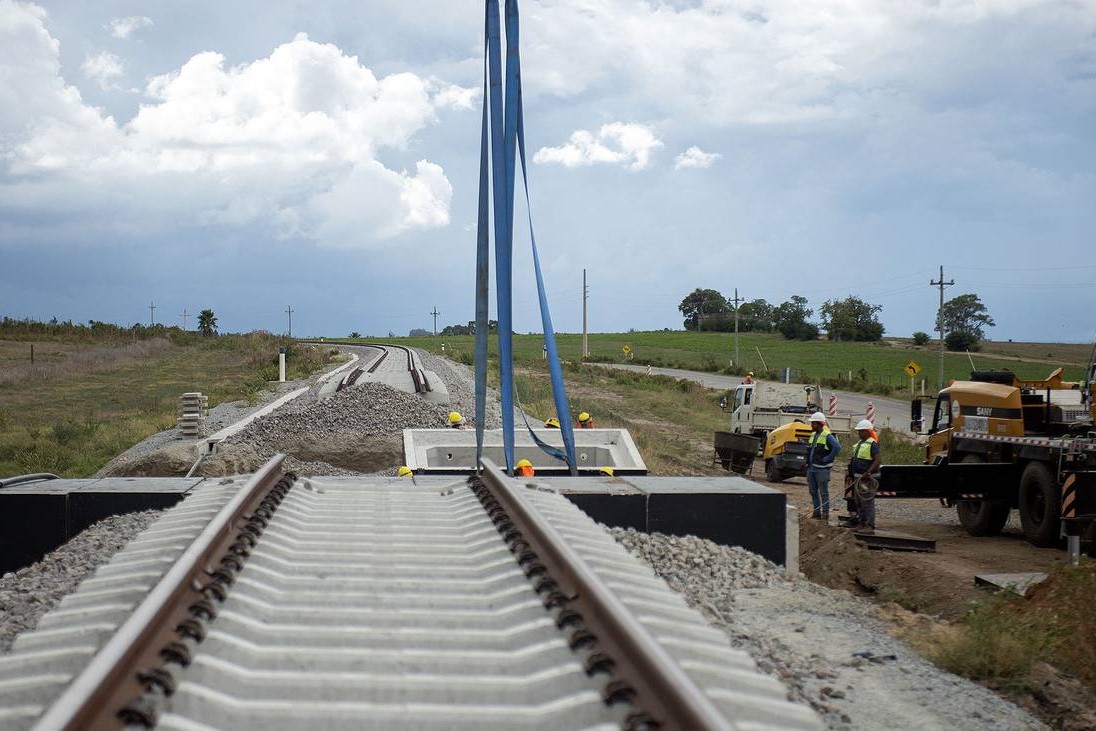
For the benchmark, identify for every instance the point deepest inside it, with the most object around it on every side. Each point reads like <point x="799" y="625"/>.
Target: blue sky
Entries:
<point x="250" y="156"/>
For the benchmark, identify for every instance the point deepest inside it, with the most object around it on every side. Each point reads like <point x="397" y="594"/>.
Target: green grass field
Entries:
<point x="873" y="366"/>
<point x="75" y="408"/>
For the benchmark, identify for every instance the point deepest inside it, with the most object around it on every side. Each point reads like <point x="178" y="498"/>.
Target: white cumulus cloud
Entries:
<point x="620" y="143"/>
<point x="125" y="27"/>
<point x="289" y="143"/>
<point x="694" y="157"/>
<point x="103" y="68"/>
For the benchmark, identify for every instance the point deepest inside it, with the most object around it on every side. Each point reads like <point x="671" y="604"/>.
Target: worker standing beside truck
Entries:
<point x="822" y="449"/>
<point x="861" y="481"/>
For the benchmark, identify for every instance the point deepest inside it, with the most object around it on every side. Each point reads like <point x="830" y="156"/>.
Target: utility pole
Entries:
<point x="585" y="336"/>
<point x="151" y="314"/>
<point x="435" y="313"/>
<point x="184" y="319"/>
<point x="736" y="300"/>
<point x="940" y="317"/>
<point x="289" y="311"/>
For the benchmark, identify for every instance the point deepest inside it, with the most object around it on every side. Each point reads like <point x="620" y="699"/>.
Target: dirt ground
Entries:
<point x="922" y="594"/>
<point x="940" y="583"/>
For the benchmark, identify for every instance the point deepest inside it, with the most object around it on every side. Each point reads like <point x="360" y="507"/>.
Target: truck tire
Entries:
<point x="772" y="471"/>
<point x="1040" y="509"/>
<point x="979" y="517"/>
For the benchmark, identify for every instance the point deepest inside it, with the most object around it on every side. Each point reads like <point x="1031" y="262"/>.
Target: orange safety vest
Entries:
<point x="588" y="424"/>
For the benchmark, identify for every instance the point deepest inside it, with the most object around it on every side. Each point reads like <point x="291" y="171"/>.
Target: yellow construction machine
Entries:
<point x="998" y="443"/>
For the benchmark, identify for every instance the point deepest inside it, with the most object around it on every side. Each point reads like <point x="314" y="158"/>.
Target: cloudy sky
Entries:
<point x="256" y="155"/>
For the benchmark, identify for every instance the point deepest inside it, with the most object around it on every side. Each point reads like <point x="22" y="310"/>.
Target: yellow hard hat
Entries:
<point x="584" y="416"/>
<point x="553" y="423"/>
<point x="606" y="471"/>
<point x="524" y="463"/>
<point x="750" y="373"/>
<point x="404" y="471"/>
<point x="455" y="417"/>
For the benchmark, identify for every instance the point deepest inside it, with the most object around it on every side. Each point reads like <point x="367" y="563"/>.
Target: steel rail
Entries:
<point x="119" y="672"/>
<point x="662" y="688"/>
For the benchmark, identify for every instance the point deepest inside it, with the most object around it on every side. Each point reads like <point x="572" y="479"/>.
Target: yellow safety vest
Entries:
<point x="857" y="452"/>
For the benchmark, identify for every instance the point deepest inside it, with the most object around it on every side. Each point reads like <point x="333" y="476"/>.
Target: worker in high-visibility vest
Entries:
<point x="585" y="421"/>
<point x="862" y="479"/>
<point x="822" y="449"/>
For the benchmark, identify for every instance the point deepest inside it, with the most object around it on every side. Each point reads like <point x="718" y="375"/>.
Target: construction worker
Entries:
<point x="552" y="423"/>
<point x="524" y="468"/>
<point x="749" y="378"/>
<point x="606" y="471"/>
<point x="404" y="471"/>
<point x="822" y="449"/>
<point x="585" y="421"/>
<point x="861" y="481"/>
<point x="456" y="421"/>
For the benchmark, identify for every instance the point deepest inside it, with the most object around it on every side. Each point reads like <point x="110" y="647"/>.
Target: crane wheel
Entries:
<point x="978" y="517"/>
<point x="1040" y="511"/>
<point x="982" y="518"/>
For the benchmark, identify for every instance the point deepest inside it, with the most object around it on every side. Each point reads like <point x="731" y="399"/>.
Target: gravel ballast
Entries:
<point x="27" y="594"/>
<point x="826" y="646"/>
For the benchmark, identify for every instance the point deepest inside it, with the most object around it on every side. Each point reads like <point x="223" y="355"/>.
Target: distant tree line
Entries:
<point x="469" y="329"/>
<point x="847" y="319"/>
<point x="850" y="319"/>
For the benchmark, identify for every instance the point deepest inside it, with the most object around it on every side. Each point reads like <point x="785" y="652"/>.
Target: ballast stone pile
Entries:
<point x="826" y="646"/>
<point x="27" y="594"/>
<point x="368" y="409"/>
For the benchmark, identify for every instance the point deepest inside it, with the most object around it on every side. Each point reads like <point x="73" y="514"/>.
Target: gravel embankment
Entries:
<point x="826" y="646"/>
<point x="27" y="594"/>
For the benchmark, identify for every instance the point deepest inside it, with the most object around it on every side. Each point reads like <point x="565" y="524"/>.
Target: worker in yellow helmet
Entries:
<point x="606" y="471"/>
<point x="585" y="421"/>
<point x="524" y="468"/>
<point x="552" y="423"/>
<point x="456" y="421"/>
<point x="404" y="471"/>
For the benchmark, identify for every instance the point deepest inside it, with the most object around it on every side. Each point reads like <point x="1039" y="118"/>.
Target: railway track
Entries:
<point x="405" y="364"/>
<point x="347" y="603"/>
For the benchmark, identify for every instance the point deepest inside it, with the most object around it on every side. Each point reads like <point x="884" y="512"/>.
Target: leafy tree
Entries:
<point x="790" y="320"/>
<point x="701" y="302"/>
<point x="965" y="314"/>
<point x="418" y="332"/>
<point x="961" y="341"/>
<point x="207" y="323"/>
<point x="851" y="319"/>
<point x="756" y="316"/>
<point x="921" y="338"/>
<point x="355" y="334"/>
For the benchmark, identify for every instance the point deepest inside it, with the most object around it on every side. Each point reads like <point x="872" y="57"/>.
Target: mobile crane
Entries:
<point x="998" y="443"/>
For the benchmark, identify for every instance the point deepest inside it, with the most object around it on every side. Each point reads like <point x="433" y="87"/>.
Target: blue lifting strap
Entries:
<point x="507" y="131"/>
<point x="482" y="273"/>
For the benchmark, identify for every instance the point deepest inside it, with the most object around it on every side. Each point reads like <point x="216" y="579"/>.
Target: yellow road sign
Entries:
<point x="912" y="368"/>
<point x="625" y="350"/>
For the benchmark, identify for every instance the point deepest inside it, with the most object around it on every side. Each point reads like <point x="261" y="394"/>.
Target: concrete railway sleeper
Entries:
<point x="345" y="603"/>
<point x="595" y="620"/>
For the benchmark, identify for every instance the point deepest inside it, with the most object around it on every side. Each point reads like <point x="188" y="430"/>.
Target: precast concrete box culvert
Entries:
<point x="453" y="451"/>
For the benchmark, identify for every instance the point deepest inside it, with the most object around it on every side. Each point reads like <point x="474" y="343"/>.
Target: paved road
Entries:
<point x="889" y="412"/>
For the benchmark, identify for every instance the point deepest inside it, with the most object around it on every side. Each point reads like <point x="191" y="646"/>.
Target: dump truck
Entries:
<point x="758" y="409"/>
<point x="998" y="443"/>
